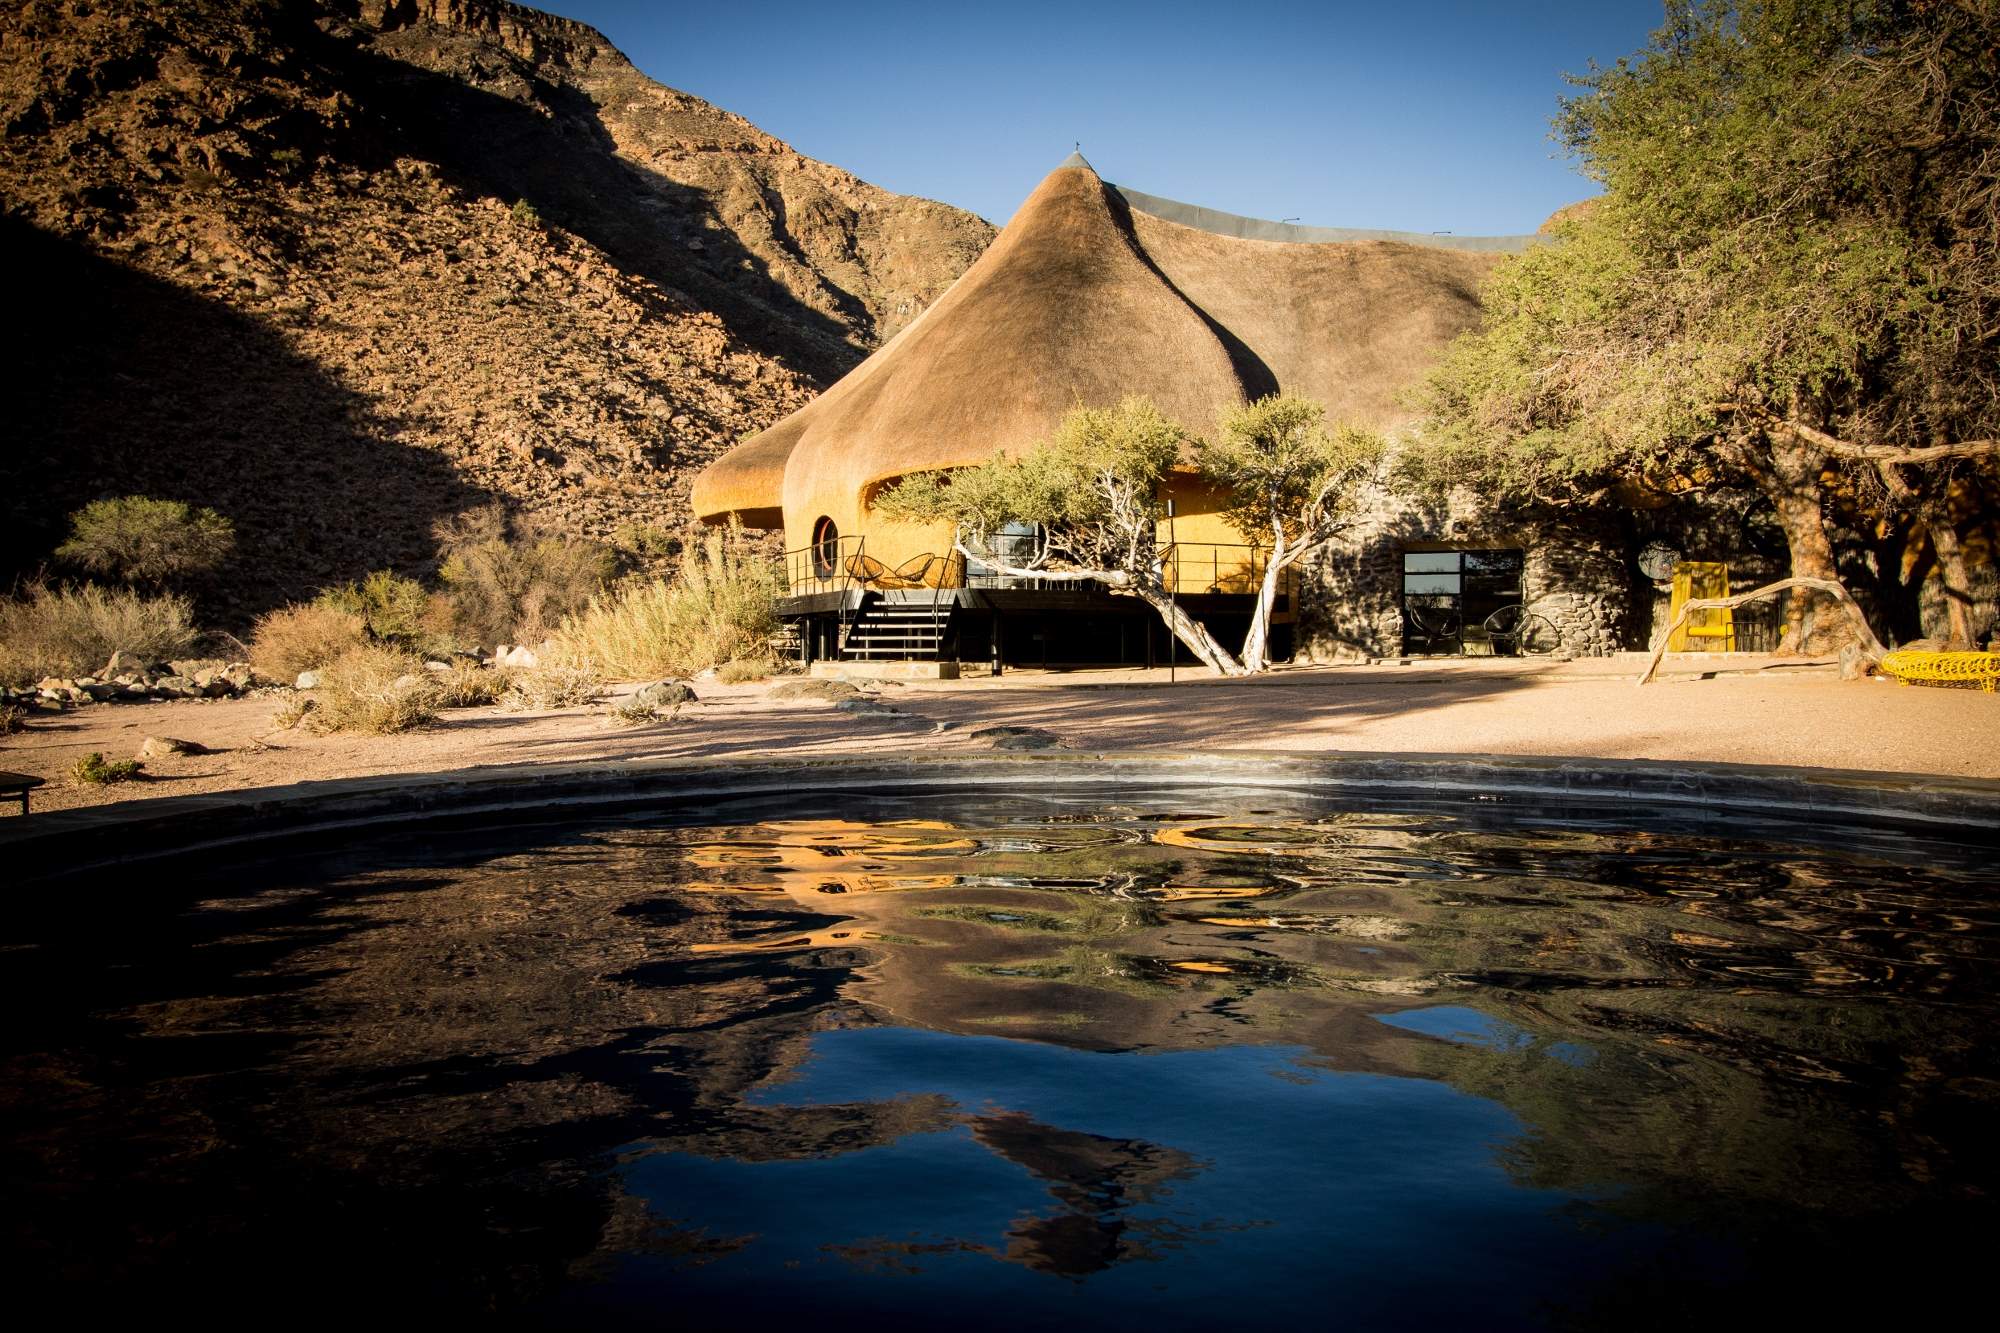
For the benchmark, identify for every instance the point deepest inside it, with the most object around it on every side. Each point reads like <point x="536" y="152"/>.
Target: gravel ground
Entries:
<point x="1753" y="712"/>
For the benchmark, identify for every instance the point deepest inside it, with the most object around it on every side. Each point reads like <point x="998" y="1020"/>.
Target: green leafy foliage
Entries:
<point x="96" y="770"/>
<point x="136" y="539"/>
<point x="391" y="607"/>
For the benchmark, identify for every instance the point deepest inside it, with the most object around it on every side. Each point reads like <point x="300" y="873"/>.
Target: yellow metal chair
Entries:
<point x="1712" y="631"/>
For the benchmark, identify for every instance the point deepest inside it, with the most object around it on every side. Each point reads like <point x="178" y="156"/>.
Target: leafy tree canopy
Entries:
<point x="141" y="540"/>
<point x="1795" y="267"/>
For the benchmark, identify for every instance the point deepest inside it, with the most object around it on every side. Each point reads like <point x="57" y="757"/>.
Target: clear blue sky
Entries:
<point x="1419" y="115"/>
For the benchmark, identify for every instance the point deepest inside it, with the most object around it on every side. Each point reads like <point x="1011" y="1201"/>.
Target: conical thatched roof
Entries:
<point x="1085" y="298"/>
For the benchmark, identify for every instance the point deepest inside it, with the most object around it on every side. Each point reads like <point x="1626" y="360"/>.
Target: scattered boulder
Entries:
<point x="516" y="655"/>
<point x="160" y="747"/>
<point x="307" y="680"/>
<point x="1016" y="738"/>
<point x="866" y="707"/>
<point x="664" y="694"/>
<point x="829" y="691"/>
<point x="123" y="663"/>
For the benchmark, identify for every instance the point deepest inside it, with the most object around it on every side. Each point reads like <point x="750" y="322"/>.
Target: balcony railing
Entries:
<point x="1187" y="569"/>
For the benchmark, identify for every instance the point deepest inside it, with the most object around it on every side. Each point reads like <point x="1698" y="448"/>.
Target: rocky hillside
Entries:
<point x="341" y="269"/>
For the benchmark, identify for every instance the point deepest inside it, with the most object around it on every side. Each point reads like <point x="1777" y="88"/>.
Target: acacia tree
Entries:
<point x="1290" y="479"/>
<point x="1793" y="277"/>
<point x="1093" y="488"/>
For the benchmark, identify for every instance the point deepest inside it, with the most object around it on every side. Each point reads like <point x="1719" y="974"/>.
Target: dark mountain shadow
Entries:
<point x="118" y="383"/>
<point x="565" y="163"/>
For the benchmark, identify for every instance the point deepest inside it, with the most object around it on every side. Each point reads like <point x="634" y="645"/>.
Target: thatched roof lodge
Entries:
<point x="1091" y="293"/>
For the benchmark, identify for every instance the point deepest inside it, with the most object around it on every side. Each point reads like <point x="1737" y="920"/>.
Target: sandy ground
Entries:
<point x="1765" y="713"/>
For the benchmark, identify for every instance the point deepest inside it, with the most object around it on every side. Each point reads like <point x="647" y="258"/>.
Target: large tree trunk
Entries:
<point x="1788" y="474"/>
<point x="1190" y="631"/>
<point x="1256" y="643"/>
<point x="1957" y="582"/>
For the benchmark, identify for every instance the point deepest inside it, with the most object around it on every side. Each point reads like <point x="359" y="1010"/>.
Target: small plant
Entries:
<point x="373" y="690"/>
<point x="393" y="608"/>
<point x="293" y="711"/>
<point x="738" y="670"/>
<point x="94" y="768"/>
<point x="145" y="541"/>
<point x="13" y="718"/>
<point x="287" y="160"/>
<point x="643" y="541"/>
<point x="526" y="213"/>
<point x="304" y="637"/>
<point x="74" y="631"/>
<point x="470" y="685"/>
<point x="554" y="685"/>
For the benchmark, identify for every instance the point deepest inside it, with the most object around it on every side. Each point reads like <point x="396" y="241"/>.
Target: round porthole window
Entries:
<point x="825" y="548"/>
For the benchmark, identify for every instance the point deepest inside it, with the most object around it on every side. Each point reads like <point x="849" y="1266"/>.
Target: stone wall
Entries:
<point x="1578" y="573"/>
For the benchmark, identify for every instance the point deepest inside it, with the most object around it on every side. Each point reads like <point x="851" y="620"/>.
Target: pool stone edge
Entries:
<point x="57" y="843"/>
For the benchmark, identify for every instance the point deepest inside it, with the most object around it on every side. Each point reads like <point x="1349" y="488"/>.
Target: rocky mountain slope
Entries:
<point x="341" y="269"/>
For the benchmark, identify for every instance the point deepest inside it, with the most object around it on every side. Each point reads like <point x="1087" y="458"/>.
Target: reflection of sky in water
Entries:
<point x="1253" y="1179"/>
<point x="1470" y="1027"/>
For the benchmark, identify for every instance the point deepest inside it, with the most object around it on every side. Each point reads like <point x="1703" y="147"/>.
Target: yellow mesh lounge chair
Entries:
<point x="912" y="573"/>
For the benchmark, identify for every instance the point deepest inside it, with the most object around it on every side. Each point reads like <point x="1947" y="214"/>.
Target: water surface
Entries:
<point x="1124" y="1056"/>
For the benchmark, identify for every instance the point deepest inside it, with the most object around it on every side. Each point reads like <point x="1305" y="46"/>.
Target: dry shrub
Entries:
<point x="470" y="685"/>
<point x="373" y="690"/>
<point x="292" y="712"/>
<point x="304" y="638"/>
<point x="510" y="581"/>
<point x="737" y="671"/>
<point x="557" y="684"/>
<point x="74" y="631"/>
<point x="632" y="713"/>
<point x="721" y="605"/>
<point x="13" y="718"/>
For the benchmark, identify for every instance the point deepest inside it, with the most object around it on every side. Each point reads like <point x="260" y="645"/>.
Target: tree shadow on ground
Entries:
<point x="121" y="384"/>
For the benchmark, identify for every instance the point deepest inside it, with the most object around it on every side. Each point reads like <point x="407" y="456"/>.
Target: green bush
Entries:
<point x="94" y="768"/>
<point x="526" y="213"/>
<point x="303" y="638"/>
<point x="722" y="605"/>
<point x="392" y="608"/>
<point x="508" y="581"/>
<point x="373" y="690"/>
<point x="140" y="540"/>
<point x="74" y="631"/>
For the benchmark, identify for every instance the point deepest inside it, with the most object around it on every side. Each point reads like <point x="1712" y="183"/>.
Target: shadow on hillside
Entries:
<point x="566" y="165"/>
<point x="120" y="384"/>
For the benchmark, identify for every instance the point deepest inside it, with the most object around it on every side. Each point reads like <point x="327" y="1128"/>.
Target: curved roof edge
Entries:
<point x="1257" y="229"/>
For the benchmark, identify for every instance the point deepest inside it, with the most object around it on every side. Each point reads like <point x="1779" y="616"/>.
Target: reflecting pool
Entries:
<point x="1137" y="1058"/>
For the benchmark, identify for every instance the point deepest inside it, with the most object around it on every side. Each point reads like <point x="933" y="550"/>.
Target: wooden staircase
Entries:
<point x="910" y="628"/>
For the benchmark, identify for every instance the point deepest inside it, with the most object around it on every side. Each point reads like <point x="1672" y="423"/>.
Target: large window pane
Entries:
<point x="1430" y="562"/>
<point x="1428" y="584"/>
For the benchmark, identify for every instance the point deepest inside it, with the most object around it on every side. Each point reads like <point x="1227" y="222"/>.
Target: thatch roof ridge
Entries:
<point x="1203" y="218"/>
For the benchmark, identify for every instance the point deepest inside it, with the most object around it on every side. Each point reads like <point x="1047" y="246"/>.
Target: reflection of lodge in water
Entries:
<point x="1663" y="1013"/>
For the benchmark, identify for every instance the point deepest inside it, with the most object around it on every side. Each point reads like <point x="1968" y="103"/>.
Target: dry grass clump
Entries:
<point x="744" y="669"/>
<point x="556" y="684"/>
<point x="632" y="713"/>
<point x="74" y="631"/>
<point x="373" y="690"/>
<point x="509" y="581"/>
<point x="13" y="718"/>
<point x="470" y="685"/>
<point x="304" y="638"/>
<point x="720" y="606"/>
